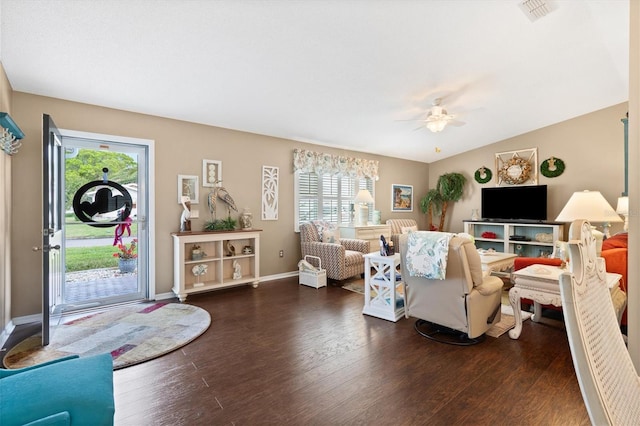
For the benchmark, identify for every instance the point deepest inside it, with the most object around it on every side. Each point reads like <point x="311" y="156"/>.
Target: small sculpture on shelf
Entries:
<point x="199" y="270"/>
<point x="237" y="270"/>
<point x="197" y="253"/>
<point x="185" y="217"/>
<point x="246" y="218"/>
<point x="230" y="250"/>
<point x="384" y="246"/>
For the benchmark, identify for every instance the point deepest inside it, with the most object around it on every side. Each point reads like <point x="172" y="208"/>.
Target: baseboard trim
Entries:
<point x="27" y="319"/>
<point x="4" y="336"/>
<point x="279" y="276"/>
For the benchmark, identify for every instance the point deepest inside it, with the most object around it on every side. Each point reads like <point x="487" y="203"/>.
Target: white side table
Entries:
<point x="496" y="261"/>
<point x="540" y="283"/>
<point x="383" y="297"/>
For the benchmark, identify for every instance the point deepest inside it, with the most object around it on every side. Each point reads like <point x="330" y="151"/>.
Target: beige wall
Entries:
<point x="591" y="147"/>
<point x="180" y="148"/>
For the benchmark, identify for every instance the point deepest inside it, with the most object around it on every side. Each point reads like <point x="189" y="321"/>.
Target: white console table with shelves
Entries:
<point x="230" y="258"/>
<point x="527" y="239"/>
<point x="370" y="233"/>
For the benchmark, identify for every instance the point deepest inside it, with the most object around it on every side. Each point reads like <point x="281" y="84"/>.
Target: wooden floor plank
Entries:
<point x="290" y="354"/>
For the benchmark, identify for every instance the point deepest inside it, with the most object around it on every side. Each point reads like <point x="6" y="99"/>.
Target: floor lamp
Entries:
<point x="592" y="207"/>
<point x="362" y="200"/>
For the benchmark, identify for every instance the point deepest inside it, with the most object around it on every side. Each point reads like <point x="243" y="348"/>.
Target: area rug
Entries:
<point x="131" y="334"/>
<point x="355" y="286"/>
<point x="507" y="321"/>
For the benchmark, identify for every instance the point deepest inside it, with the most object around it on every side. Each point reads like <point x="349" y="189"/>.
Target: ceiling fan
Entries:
<point x="437" y="117"/>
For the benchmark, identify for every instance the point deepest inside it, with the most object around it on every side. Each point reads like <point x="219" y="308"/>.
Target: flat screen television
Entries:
<point x="522" y="203"/>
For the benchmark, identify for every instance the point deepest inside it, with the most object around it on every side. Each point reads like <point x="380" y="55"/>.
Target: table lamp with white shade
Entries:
<point x="362" y="200"/>
<point x="590" y="206"/>
<point x="623" y="209"/>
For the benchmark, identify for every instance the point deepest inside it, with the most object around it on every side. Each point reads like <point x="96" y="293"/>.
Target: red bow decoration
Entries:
<point x="120" y="230"/>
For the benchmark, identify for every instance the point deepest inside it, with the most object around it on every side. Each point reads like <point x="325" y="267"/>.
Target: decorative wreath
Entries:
<point x="483" y="175"/>
<point x="515" y="171"/>
<point x="552" y="167"/>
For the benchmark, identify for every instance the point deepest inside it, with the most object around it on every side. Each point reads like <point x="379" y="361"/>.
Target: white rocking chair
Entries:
<point x="608" y="380"/>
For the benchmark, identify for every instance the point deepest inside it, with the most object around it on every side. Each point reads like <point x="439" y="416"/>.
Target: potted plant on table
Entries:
<point x="127" y="256"/>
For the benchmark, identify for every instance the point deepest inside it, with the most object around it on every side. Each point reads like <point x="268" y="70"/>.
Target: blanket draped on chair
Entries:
<point x="427" y="254"/>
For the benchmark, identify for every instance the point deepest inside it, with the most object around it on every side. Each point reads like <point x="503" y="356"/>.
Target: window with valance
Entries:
<point x="325" y="185"/>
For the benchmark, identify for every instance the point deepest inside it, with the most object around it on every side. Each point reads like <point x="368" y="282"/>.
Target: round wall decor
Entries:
<point x="552" y="167"/>
<point x="515" y="171"/>
<point x="483" y="175"/>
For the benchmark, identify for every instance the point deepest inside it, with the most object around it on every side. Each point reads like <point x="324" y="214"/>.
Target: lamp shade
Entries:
<point x="590" y="206"/>
<point x="623" y="205"/>
<point x="364" y="196"/>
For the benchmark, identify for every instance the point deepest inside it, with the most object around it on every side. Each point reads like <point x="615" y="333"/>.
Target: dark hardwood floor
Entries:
<point x="292" y="355"/>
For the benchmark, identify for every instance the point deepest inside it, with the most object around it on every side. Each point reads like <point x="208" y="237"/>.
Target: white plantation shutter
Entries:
<point x="327" y="197"/>
<point x="308" y="196"/>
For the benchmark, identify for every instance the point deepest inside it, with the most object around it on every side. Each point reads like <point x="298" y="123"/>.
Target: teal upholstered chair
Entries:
<point x="67" y="391"/>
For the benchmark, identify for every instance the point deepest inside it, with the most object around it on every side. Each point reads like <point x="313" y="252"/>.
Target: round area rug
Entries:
<point x="132" y="334"/>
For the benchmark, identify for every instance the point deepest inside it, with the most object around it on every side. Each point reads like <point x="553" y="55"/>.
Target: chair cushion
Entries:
<point x="331" y="236"/>
<point x="321" y="226"/>
<point x="407" y="229"/>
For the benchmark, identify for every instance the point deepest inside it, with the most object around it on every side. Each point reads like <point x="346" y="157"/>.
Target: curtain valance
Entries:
<point x="317" y="162"/>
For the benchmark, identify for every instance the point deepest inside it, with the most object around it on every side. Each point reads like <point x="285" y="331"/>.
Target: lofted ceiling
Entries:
<point x="349" y="73"/>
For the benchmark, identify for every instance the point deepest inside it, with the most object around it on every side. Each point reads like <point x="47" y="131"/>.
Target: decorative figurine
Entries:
<point x="199" y="270"/>
<point x="245" y="219"/>
<point x="185" y="218"/>
<point x="237" y="270"/>
<point x="221" y="193"/>
<point x="229" y="248"/>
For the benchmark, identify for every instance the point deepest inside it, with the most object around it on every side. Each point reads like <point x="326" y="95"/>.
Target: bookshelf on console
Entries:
<point x="220" y="265"/>
<point x="506" y="236"/>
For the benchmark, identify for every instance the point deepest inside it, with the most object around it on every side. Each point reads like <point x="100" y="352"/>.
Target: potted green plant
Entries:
<point x="227" y="224"/>
<point x="449" y="188"/>
<point x="431" y="204"/>
<point x="127" y="256"/>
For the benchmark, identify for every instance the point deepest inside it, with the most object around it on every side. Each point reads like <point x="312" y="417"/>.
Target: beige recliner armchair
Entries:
<point x="458" y="309"/>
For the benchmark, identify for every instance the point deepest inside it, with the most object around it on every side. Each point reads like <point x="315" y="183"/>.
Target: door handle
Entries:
<point x="46" y="248"/>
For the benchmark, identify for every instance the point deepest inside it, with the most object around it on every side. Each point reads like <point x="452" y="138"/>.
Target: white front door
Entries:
<point x="108" y="202"/>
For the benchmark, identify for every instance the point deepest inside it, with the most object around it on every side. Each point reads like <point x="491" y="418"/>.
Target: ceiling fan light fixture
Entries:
<point x="437" y="117"/>
<point x="436" y="125"/>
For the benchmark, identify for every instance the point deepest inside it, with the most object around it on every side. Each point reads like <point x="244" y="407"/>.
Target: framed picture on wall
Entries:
<point x="401" y="198"/>
<point x="211" y="173"/>
<point x="188" y="187"/>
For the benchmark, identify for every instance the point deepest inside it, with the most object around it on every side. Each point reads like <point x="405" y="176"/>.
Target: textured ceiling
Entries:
<point x="339" y="73"/>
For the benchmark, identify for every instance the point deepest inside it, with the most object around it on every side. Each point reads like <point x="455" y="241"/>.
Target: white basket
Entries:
<point x="315" y="279"/>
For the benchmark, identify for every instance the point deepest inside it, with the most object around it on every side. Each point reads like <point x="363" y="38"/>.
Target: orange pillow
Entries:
<point x="617" y="241"/>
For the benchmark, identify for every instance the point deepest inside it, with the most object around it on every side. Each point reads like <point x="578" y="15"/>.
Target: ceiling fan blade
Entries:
<point x="412" y="119"/>
<point x="456" y="123"/>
